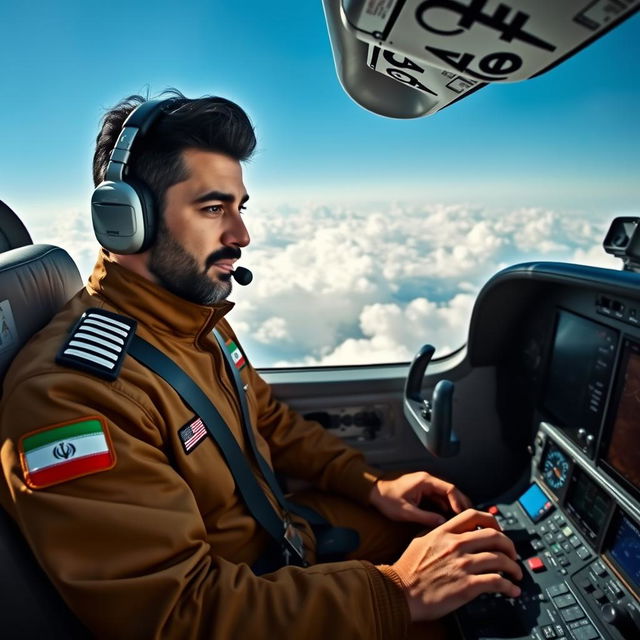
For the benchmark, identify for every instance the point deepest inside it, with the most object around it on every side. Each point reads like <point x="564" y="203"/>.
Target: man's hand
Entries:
<point x="455" y="563"/>
<point x="399" y="499"/>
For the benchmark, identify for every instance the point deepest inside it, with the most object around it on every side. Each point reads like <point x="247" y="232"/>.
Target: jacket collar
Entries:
<point x="150" y="304"/>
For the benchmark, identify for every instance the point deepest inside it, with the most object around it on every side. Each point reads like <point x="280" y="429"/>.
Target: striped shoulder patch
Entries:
<point x="66" y="451"/>
<point x="98" y="343"/>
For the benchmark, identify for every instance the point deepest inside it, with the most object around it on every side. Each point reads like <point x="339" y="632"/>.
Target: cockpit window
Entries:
<point x="369" y="236"/>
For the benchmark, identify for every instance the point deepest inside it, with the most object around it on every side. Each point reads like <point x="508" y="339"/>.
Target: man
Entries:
<point x="145" y="535"/>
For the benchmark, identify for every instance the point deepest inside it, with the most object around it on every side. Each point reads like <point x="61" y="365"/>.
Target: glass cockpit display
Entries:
<point x="582" y="360"/>
<point x="588" y="505"/>
<point x="622" y="452"/>
<point x="535" y="502"/>
<point x="625" y="550"/>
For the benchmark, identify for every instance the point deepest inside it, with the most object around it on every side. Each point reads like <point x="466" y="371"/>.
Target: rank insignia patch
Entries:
<point x="192" y="434"/>
<point x="66" y="451"/>
<point x="236" y="355"/>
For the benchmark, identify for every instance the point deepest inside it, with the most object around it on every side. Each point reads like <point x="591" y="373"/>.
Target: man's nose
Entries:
<point x="236" y="233"/>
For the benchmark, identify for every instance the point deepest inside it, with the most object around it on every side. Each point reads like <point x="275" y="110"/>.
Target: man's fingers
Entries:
<point x="429" y="519"/>
<point x="454" y="498"/>
<point x="493" y="562"/>
<point x="487" y="540"/>
<point x="458" y="501"/>
<point x="491" y="583"/>
<point x="471" y="519"/>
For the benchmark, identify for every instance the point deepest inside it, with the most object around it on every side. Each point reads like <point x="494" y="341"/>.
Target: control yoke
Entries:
<point x="430" y="420"/>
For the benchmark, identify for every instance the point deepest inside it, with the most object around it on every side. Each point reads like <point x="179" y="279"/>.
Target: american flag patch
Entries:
<point x="192" y="434"/>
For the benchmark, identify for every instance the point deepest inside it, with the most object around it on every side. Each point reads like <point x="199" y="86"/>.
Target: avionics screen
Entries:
<point x="535" y="502"/>
<point x="587" y="504"/>
<point x="623" y="450"/>
<point x="625" y="550"/>
<point x="579" y="372"/>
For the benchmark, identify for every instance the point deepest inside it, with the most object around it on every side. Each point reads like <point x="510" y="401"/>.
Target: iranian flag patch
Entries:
<point x="66" y="451"/>
<point x="236" y="355"/>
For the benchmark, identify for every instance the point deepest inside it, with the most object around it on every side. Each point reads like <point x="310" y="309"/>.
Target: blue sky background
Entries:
<point x="567" y="140"/>
<point x="368" y="234"/>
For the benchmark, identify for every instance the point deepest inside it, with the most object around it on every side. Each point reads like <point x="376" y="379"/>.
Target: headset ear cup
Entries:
<point x="148" y="213"/>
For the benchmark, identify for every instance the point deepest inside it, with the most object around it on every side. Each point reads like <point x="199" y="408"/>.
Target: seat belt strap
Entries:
<point x="254" y="498"/>
<point x="332" y="542"/>
<point x="311" y="516"/>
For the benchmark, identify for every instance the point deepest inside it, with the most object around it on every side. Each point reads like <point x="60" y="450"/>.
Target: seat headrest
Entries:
<point x="36" y="281"/>
<point x="13" y="233"/>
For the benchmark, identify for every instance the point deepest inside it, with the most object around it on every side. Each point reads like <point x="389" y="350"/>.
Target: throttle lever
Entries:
<point x="430" y="419"/>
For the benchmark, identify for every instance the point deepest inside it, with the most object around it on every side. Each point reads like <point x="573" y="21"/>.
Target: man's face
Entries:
<point x="201" y="231"/>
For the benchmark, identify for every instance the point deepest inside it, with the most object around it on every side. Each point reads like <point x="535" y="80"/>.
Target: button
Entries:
<point x="585" y="585"/>
<point x="543" y="528"/>
<point x="556" y="548"/>
<point x="599" y="568"/>
<point x="575" y="541"/>
<point x="538" y="545"/>
<point x="557" y="589"/>
<point x="578" y="623"/>
<point x="536" y="564"/>
<point x="553" y="526"/>
<point x="616" y="589"/>
<point x="560" y="536"/>
<point x="549" y="538"/>
<point x="512" y="521"/>
<point x="564" y="562"/>
<point x="563" y="571"/>
<point x="567" y="531"/>
<point x="571" y="614"/>
<point x="587" y="632"/>
<point x="563" y="601"/>
<point x="566" y="546"/>
<point x="548" y="631"/>
<point x="599" y="595"/>
<point x="494" y="511"/>
<point x="559" y="629"/>
<point x="583" y="553"/>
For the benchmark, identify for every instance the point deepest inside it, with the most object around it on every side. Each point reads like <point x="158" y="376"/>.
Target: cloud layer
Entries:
<point x="336" y="285"/>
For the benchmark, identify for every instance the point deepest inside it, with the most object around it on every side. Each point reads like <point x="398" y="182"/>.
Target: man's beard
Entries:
<point x="178" y="272"/>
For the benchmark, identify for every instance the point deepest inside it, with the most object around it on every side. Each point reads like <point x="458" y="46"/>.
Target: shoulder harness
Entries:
<point x="98" y="343"/>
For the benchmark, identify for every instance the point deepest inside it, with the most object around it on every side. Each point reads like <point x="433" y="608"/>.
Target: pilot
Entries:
<point x="125" y="494"/>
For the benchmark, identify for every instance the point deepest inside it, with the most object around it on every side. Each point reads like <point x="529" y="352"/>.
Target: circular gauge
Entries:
<point x="555" y="469"/>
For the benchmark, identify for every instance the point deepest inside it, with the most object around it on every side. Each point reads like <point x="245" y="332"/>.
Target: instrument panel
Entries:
<point x="577" y="526"/>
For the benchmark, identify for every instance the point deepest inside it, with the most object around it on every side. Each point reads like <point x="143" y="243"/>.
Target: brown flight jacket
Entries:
<point x="161" y="545"/>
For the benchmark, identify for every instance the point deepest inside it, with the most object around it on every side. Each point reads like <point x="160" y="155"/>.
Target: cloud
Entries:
<point x="339" y="285"/>
<point x="74" y="233"/>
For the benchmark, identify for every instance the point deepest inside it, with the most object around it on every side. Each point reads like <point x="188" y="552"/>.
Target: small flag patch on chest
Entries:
<point x="192" y="434"/>
<point x="66" y="451"/>
<point x="236" y="355"/>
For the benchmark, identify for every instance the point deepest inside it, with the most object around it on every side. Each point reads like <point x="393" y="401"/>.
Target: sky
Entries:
<point x="371" y="224"/>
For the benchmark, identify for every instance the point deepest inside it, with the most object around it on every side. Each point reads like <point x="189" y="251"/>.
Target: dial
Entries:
<point x="555" y="469"/>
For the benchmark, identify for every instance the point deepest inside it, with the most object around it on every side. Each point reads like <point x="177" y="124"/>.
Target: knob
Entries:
<point x="582" y="434"/>
<point x="616" y="616"/>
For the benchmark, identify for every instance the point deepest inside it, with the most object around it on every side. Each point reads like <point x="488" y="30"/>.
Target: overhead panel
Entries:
<point x="447" y="49"/>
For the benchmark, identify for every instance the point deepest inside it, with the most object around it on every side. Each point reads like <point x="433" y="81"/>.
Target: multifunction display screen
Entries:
<point x="623" y="450"/>
<point x="535" y="502"/>
<point x="579" y="373"/>
<point x="587" y="504"/>
<point x="625" y="551"/>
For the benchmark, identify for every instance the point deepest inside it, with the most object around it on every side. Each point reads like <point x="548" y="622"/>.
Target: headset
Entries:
<point x="122" y="208"/>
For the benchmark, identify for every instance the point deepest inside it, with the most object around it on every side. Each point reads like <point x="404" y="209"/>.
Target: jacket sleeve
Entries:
<point x="127" y="547"/>
<point x="304" y="449"/>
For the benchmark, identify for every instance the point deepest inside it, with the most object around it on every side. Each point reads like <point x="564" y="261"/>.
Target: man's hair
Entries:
<point x="209" y="124"/>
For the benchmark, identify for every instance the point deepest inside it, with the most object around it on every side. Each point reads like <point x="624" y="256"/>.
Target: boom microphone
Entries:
<point x="242" y="276"/>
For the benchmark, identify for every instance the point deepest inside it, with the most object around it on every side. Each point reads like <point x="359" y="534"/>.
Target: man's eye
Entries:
<point x="213" y="208"/>
<point x="242" y="208"/>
